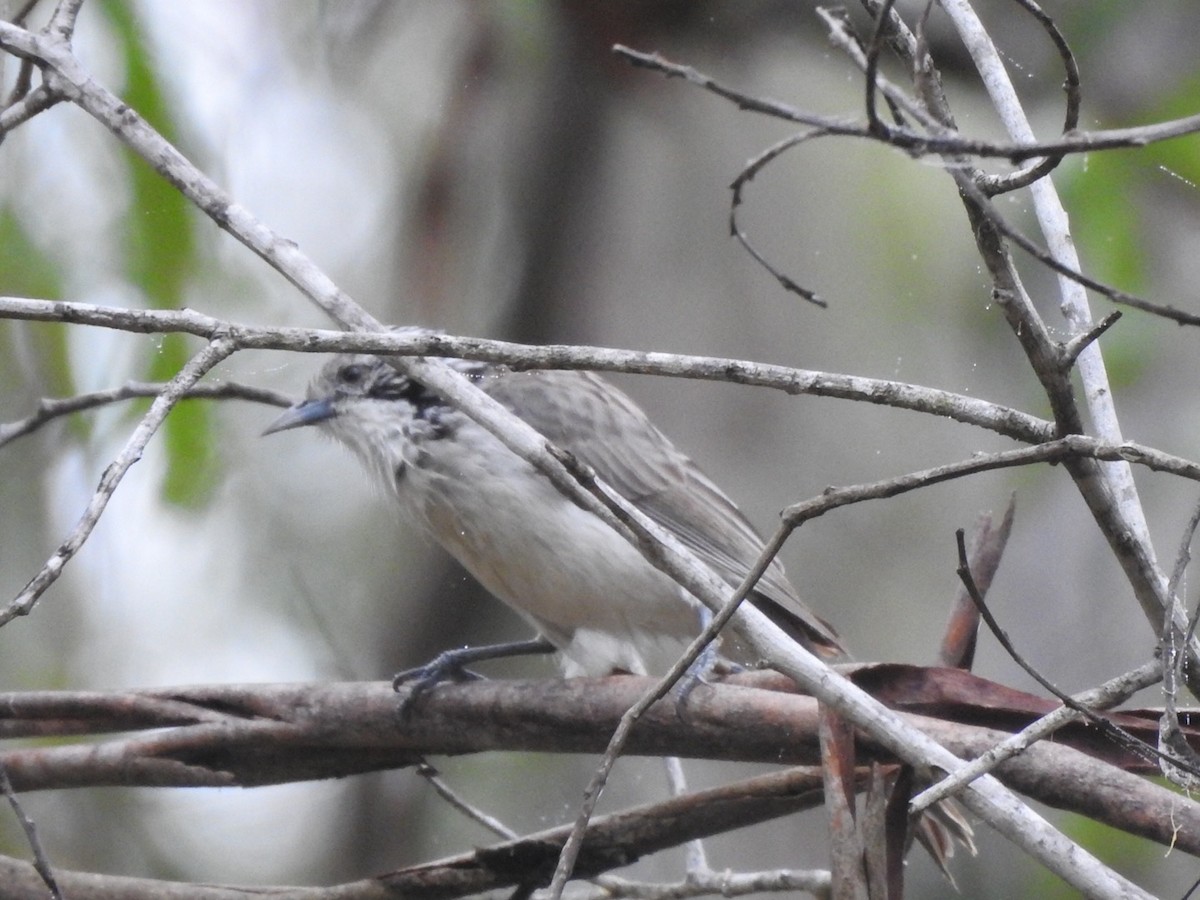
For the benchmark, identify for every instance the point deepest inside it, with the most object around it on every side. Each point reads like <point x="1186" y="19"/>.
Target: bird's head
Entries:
<point x="380" y="413"/>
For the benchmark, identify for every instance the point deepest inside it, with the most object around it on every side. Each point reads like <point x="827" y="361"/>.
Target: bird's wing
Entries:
<point x="606" y="430"/>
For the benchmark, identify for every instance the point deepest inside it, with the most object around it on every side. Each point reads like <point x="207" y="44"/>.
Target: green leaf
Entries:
<point x="160" y="258"/>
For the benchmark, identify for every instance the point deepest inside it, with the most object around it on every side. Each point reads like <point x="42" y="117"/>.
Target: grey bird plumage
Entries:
<point x="579" y="583"/>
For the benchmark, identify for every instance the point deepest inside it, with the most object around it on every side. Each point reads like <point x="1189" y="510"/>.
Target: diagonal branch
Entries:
<point x="196" y="367"/>
<point x="1113" y="691"/>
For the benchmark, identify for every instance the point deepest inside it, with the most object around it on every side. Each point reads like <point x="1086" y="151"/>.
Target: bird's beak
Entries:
<point x="306" y="412"/>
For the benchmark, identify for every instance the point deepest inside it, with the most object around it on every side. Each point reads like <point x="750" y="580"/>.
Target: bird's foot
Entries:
<point x="450" y="665"/>
<point x="707" y="664"/>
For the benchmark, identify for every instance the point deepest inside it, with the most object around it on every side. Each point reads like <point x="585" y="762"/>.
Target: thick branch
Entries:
<point x="265" y="734"/>
<point x="612" y="842"/>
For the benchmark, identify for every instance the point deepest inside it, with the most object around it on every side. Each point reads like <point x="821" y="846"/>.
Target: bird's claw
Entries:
<point x="699" y="672"/>
<point x="449" y="665"/>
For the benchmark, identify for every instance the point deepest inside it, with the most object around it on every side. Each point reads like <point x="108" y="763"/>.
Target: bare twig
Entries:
<point x="574" y="843"/>
<point x="724" y="884"/>
<point x="62" y="20"/>
<point x="1184" y="555"/>
<point x="22" y="110"/>
<point x="1179" y="763"/>
<point x="41" y="861"/>
<point x="1071" y="270"/>
<point x="959" y="407"/>
<point x="940" y="145"/>
<point x="447" y="793"/>
<point x="612" y="841"/>
<point x="987" y="548"/>
<point x="1073" y="446"/>
<point x="1110" y="730"/>
<point x="738" y="187"/>
<point x="1076" y="345"/>
<point x="871" y="70"/>
<point x="993" y="185"/>
<point x="49" y="409"/>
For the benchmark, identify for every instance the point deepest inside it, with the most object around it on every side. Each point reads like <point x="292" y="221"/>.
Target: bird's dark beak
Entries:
<point x="306" y="412"/>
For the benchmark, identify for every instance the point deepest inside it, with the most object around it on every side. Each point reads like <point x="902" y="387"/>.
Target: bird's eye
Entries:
<point x="351" y="374"/>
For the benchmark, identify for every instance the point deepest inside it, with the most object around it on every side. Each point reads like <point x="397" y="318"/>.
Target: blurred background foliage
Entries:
<point x="490" y="168"/>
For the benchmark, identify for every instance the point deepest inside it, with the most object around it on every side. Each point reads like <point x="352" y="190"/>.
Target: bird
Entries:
<point x="584" y="588"/>
<point x="588" y="593"/>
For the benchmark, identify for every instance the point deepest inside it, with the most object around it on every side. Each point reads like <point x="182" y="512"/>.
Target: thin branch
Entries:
<point x="913" y="50"/>
<point x="1111" y="731"/>
<point x="476" y="815"/>
<point x="1076" y="345"/>
<point x="871" y="70"/>
<point x="918" y="143"/>
<point x="23" y="12"/>
<point x="987" y="549"/>
<point x="1180" y="763"/>
<point x="49" y="409"/>
<point x="613" y="841"/>
<point x="62" y="21"/>
<point x="945" y="404"/>
<point x="1071" y="270"/>
<point x="1071" y="447"/>
<point x="1184" y="555"/>
<point x="41" y="862"/>
<point x="24" y="79"/>
<point x="724" y="884"/>
<point x="738" y="187"/>
<point x="616" y="745"/>
<point x="196" y="367"/>
<point x="994" y="185"/>
<point x="22" y="110"/>
<point x="21" y="884"/>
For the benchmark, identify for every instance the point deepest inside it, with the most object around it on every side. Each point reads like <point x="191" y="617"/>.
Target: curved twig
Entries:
<point x="738" y="186"/>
